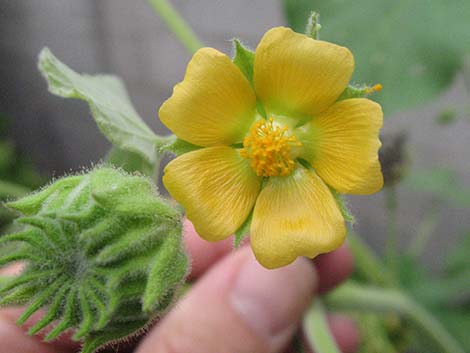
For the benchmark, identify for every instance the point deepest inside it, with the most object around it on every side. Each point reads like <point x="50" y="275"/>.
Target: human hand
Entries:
<point x="234" y="306"/>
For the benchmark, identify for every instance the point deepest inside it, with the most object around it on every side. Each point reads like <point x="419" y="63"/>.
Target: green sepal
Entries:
<point x="176" y="146"/>
<point x="343" y="207"/>
<point x="103" y="254"/>
<point x="356" y="91"/>
<point x="244" y="58"/>
<point x="242" y="232"/>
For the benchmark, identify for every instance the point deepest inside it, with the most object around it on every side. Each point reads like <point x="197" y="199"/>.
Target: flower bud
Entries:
<point x="103" y="256"/>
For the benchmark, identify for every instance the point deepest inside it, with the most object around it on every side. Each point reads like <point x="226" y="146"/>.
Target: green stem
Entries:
<point x="9" y="189"/>
<point x="367" y="264"/>
<point x="424" y="233"/>
<point x="317" y="332"/>
<point x="177" y="24"/>
<point x="391" y="206"/>
<point x="351" y="296"/>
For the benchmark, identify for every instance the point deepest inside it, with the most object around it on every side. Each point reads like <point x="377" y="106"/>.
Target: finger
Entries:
<point x="236" y="307"/>
<point x="344" y="332"/>
<point x="12" y="270"/>
<point x="8" y="317"/>
<point x="203" y="254"/>
<point x="333" y="268"/>
<point x="13" y="338"/>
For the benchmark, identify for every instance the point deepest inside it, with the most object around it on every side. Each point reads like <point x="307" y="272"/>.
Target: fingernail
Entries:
<point x="271" y="301"/>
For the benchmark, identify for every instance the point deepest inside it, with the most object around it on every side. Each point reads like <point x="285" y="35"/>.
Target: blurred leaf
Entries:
<point x="459" y="258"/>
<point x="410" y="272"/>
<point x="430" y="289"/>
<point x="10" y="189"/>
<point x="441" y="182"/>
<point x="4" y="122"/>
<point x="7" y="155"/>
<point x="446" y="117"/>
<point x="109" y="103"/>
<point x="413" y="47"/>
<point x="458" y="322"/>
<point x="374" y="336"/>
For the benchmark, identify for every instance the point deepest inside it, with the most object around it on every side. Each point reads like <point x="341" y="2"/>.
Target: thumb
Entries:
<point x="237" y="307"/>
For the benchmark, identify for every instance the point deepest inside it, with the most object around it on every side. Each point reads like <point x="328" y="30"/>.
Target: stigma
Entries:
<point x="269" y="148"/>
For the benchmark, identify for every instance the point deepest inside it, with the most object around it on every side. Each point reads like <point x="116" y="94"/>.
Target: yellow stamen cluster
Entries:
<point x="269" y="149"/>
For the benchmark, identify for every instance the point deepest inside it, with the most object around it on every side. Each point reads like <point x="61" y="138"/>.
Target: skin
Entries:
<point x="234" y="306"/>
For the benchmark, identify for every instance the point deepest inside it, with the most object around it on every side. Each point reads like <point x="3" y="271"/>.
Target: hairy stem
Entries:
<point x="177" y="24"/>
<point x="351" y="296"/>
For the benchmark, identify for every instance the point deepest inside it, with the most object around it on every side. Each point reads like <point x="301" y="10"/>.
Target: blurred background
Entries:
<point x="419" y="50"/>
<point x="126" y="38"/>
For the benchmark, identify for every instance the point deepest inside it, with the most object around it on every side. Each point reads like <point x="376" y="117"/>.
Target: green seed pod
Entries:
<point x="103" y="256"/>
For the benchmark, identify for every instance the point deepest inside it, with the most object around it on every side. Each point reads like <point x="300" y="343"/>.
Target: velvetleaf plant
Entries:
<point x="114" y="257"/>
<point x="62" y="241"/>
<point x="103" y="255"/>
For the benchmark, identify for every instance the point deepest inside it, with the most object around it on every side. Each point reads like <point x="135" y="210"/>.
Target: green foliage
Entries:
<point x="103" y="256"/>
<point x="446" y="117"/>
<point x="130" y="162"/>
<point x="176" y="146"/>
<point x="244" y="58"/>
<point x="443" y="183"/>
<point x="17" y="175"/>
<point x="14" y="167"/>
<point x="374" y="335"/>
<point x="109" y="103"/>
<point x="414" y="48"/>
<point x="243" y="231"/>
<point x="446" y="295"/>
<point x="459" y="258"/>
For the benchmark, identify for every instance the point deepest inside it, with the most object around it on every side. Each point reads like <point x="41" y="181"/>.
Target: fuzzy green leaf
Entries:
<point x="414" y="48"/>
<point x="103" y="256"/>
<point x="109" y="103"/>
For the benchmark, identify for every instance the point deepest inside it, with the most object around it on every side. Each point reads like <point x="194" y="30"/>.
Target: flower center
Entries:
<point x="269" y="146"/>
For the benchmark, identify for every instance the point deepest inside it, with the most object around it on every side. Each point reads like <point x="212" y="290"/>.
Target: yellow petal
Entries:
<point x="298" y="76"/>
<point x="214" y="104"/>
<point x="217" y="188"/>
<point x="342" y="145"/>
<point x="295" y="216"/>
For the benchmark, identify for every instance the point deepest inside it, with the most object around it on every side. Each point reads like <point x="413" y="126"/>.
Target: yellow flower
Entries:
<point x="279" y="164"/>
